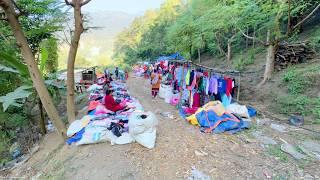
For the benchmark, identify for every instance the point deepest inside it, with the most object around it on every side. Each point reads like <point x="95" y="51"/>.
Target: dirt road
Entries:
<point x="178" y="143"/>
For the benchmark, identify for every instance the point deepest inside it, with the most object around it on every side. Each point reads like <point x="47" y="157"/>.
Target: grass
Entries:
<point x="244" y="59"/>
<point x="301" y="85"/>
<point x="275" y="150"/>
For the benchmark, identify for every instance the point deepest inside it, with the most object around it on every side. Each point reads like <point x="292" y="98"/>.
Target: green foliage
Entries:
<point x="298" y="104"/>
<point x="301" y="99"/>
<point x="278" y="153"/>
<point x="12" y="61"/>
<point x="9" y="123"/>
<point x="299" y="81"/>
<point x="14" y="98"/>
<point x="208" y="25"/>
<point x="244" y="60"/>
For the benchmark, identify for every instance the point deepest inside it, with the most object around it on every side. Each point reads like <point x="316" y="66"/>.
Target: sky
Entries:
<point x="128" y="6"/>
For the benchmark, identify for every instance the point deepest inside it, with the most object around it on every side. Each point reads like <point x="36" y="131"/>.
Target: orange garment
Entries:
<point x="157" y="85"/>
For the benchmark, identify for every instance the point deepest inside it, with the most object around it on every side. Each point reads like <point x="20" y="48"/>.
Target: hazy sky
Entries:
<point x="129" y="6"/>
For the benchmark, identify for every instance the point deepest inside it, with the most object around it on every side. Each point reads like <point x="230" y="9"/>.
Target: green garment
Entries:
<point x="188" y="78"/>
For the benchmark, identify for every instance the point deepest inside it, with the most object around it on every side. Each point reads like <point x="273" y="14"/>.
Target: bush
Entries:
<point x="245" y="60"/>
<point x="298" y="104"/>
<point x="10" y="122"/>
<point x="298" y="81"/>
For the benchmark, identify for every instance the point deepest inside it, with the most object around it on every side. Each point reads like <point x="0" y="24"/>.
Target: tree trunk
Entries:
<point x="42" y="124"/>
<point x="71" y="61"/>
<point x="247" y="40"/>
<point x="35" y="75"/>
<point x="222" y="52"/>
<point x="270" y="58"/>
<point x="229" y="54"/>
<point x="270" y="61"/>
<point x="199" y="55"/>
<point x="289" y="18"/>
<point x="254" y="34"/>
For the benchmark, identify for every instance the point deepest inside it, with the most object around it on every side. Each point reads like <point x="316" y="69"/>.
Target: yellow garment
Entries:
<point x="193" y="119"/>
<point x="215" y="106"/>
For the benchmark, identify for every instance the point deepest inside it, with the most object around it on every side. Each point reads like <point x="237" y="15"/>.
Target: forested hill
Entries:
<point x="96" y="45"/>
<point x="220" y="28"/>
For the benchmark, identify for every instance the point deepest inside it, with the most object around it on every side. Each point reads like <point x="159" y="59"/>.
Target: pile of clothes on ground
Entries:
<point x="213" y="117"/>
<point x="130" y="124"/>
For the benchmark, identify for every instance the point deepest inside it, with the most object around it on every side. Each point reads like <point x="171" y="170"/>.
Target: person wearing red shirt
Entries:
<point x="110" y="103"/>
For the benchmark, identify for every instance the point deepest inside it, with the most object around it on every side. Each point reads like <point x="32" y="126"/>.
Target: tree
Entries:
<point x="10" y="9"/>
<point x="78" y="21"/>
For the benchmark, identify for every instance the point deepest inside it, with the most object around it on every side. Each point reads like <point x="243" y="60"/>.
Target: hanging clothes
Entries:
<point x="228" y="86"/>
<point x="191" y="77"/>
<point x="226" y="100"/>
<point x="188" y="78"/>
<point x="207" y="86"/>
<point x="222" y="85"/>
<point x="213" y="85"/>
<point x="196" y="100"/>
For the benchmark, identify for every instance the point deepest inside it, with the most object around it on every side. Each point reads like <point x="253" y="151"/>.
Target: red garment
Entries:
<point x="229" y="86"/>
<point x="111" y="104"/>
<point x="206" y="74"/>
<point x="196" y="100"/>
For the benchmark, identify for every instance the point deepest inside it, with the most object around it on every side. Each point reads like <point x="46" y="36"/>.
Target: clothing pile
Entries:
<point x="214" y="117"/>
<point x="104" y="122"/>
<point x="204" y="98"/>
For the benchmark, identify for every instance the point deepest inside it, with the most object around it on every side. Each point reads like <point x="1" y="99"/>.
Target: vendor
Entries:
<point x="110" y="103"/>
<point x="155" y="83"/>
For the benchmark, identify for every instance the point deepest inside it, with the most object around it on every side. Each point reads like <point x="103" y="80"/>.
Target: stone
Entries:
<point x="264" y="139"/>
<point x="278" y="127"/>
<point x="290" y="149"/>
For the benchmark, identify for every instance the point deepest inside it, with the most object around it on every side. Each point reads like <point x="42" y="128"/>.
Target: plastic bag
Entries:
<point x="142" y="127"/>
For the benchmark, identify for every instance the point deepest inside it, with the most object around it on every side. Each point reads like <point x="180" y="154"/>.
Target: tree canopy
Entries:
<point x="208" y="25"/>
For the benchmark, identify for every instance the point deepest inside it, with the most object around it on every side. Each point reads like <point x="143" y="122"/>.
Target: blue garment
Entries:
<point x="252" y="112"/>
<point x="210" y="119"/>
<point x="226" y="100"/>
<point x="179" y="72"/>
<point x="222" y="85"/>
<point x="185" y="94"/>
<point x="77" y="137"/>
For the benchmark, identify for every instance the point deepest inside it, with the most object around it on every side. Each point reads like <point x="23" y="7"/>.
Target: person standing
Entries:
<point x="117" y="72"/>
<point x="155" y="83"/>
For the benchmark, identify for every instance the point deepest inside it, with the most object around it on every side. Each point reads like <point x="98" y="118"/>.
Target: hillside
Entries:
<point x="292" y="91"/>
<point x="96" y="46"/>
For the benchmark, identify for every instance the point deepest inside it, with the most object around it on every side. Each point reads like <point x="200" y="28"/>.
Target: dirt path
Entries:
<point x="225" y="156"/>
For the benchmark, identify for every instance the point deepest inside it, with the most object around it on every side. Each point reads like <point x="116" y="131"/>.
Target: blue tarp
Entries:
<point x="175" y="56"/>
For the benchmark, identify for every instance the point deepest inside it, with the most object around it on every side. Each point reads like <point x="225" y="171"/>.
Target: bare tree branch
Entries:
<point x="253" y="38"/>
<point x="307" y="17"/>
<point x="66" y="38"/>
<point x="85" y="2"/>
<point x="69" y="3"/>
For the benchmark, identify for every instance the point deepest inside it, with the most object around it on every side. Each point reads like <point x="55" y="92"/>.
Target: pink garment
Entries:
<point x="196" y="100"/>
<point x="101" y="109"/>
<point x="191" y="110"/>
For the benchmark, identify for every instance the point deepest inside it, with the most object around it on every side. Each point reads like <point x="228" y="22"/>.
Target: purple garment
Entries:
<point x="213" y="85"/>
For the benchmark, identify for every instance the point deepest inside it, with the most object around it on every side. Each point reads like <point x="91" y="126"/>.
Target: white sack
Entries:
<point x="143" y="130"/>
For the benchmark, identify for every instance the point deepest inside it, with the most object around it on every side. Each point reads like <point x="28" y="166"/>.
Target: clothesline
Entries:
<point x="238" y="73"/>
<point x="224" y="72"/>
